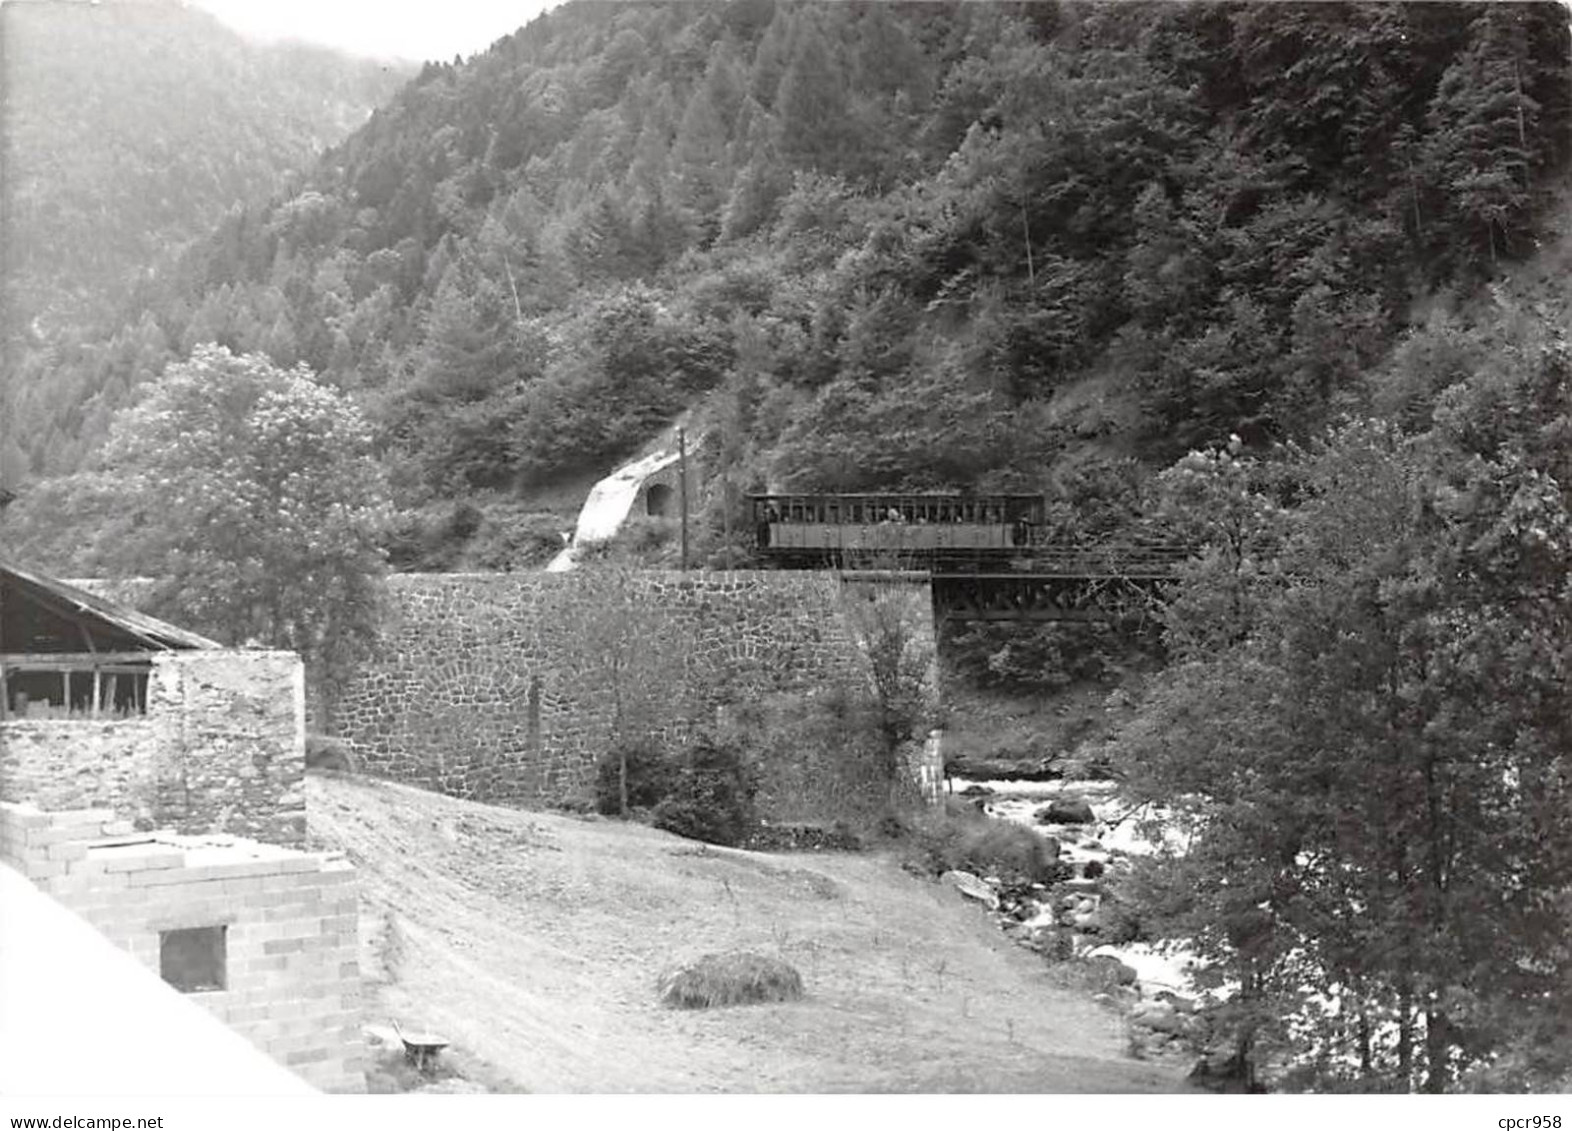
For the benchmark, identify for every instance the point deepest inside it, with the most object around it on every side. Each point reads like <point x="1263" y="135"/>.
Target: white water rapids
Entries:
<point x="1114" y="832"/>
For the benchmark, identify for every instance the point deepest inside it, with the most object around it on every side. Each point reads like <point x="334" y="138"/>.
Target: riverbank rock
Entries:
<point x="1065" y="811"/>
<point x="972" y="888"/>
<point x="982" y="769"/>
<point x="1226" y="1074"/>
<point x="1120" y="973"/>
<point x="1160" y="1017"/>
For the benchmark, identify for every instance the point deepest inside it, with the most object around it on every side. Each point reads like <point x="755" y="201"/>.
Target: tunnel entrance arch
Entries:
<point x="658" y="500"/>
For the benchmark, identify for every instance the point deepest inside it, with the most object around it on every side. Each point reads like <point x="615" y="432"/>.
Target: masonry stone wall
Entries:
<point x="220" y="749"/>
<point x="290" y="959"/>
<point x="508" y="687"/>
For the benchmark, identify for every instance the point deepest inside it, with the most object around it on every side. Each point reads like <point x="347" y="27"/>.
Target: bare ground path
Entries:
<point x="534" y="940"/>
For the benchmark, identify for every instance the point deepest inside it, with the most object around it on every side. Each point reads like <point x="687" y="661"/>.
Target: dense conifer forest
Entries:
<point x="1045" y="246"/>
<point x="129" y="129"/>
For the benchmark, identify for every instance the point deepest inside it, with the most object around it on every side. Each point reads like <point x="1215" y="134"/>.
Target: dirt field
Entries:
<point x="533" y="941"/>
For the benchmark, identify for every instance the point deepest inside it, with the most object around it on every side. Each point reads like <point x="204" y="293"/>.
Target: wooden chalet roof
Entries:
<point x="110" y="618"/>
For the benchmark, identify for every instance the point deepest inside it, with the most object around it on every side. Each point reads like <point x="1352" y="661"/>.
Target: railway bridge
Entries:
<point x="987" y="557"/>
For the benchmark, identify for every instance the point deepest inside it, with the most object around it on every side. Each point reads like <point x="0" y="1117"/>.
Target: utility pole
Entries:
<point x="682" y="487"/>
<point x="1026" y="226"/>
<point x="726" y="515"/>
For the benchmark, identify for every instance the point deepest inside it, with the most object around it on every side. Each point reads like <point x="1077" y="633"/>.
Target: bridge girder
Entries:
<point x="1045" y="597"/>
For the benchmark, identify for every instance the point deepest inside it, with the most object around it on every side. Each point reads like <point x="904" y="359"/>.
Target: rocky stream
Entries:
<point x="1078" y="925"/>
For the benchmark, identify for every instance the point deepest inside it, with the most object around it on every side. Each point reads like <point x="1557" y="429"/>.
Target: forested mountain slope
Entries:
<point x="130" y="128"/>
<point x="1038" y="246"/>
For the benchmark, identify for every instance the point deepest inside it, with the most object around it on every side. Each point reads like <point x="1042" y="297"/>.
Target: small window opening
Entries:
<point x="192" y="959"/>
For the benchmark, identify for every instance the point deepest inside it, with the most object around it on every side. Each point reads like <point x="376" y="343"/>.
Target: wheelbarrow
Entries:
<point x="420" y="1049"/>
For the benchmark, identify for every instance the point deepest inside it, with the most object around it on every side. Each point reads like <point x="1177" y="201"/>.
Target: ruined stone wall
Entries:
<point x="508" y="687"/>
<point x="288" y="947"/>
<point x="220" y="749"/>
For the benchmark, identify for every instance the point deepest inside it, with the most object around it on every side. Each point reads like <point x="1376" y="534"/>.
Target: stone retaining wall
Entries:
<point x="220" y="749"/>
<point x="508" y="687"/>
<point x="286" y="924"/>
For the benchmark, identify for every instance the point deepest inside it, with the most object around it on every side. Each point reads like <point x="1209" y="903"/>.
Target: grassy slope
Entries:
<point x="534" y="940"/>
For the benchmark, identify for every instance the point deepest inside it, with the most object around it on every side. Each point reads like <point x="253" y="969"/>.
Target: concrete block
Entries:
<point x="181" y="915"/>
<point x="39" y="839"/>
<point x="156" y="858"/>
<point x="251" y="933"/>
<point x="92" y="865"/>
<point x="264" y="1030"/>
<point x="288" y="1010"/>
<point x="164" y="876"/>
<point x="73" y="888"/>
<point x="257" y="874"/>
<point x="22" y="815"/>
<point x="286" y="912"/>
<point x="66" y="850"/>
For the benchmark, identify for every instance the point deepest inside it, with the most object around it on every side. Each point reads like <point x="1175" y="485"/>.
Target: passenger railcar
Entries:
<point x="910" y="529"/>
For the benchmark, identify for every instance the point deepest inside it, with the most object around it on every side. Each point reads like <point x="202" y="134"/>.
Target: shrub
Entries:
<point x="1033" y="657"/>
<point x="839" y="837"/>
<point x="962" y="839"/>
<point x="821" y="757"/>
<point x="732" y="978"/>
<point x="711" y="795"/>
<point x="512" y="538"/>
<point x="650" y="777"/>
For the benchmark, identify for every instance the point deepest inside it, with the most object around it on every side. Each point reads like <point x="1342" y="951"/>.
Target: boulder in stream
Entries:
<point x="972" y="888"/>
<point x="1066" y="811"/>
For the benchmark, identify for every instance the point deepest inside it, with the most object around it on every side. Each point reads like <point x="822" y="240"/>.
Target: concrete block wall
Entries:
<point x="221" y="749"/>
<point x="291" y="955"/>
<point x="508" y="687"/>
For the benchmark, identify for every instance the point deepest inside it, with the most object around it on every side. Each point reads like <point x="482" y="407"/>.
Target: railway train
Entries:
<point x="895" y="529"/>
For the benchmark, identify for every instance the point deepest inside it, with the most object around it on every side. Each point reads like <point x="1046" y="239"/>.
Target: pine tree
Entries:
<point x="813" y="105"/>
<point x="699" y="163"/>
<point x="1483" y="127"/>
